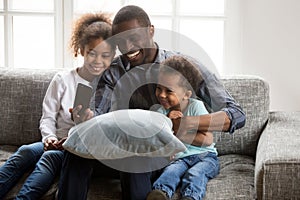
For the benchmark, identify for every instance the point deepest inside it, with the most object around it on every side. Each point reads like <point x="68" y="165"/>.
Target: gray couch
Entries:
<point x="262" y="160"/>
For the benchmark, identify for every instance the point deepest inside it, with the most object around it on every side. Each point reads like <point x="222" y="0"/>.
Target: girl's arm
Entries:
<point x="51" y="105"/>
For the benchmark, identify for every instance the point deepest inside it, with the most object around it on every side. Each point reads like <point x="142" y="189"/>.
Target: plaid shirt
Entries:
<point x="125" y="87"/>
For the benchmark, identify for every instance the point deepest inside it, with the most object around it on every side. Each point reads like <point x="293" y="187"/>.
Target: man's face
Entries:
<point x="134" y="41"/>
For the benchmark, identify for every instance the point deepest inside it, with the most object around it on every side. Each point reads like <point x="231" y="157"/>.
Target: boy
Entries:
<point x="193" y="168"/>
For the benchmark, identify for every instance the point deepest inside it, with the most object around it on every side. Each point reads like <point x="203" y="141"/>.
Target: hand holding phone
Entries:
<point x="83" y="97"/>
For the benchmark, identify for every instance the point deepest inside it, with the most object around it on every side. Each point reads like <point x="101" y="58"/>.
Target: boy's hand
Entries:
<point x="172" y="157"/>
<point x="181" y="126"/>
<point x="174" y="114"/>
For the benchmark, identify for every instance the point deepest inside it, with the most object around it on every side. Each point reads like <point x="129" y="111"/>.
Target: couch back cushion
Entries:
<point x="22" y="92"/>
<point x="252" y="93"/>
<point x="21" y="95"/>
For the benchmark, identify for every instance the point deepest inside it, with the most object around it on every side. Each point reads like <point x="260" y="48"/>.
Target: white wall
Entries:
<point x="264" y="40"/>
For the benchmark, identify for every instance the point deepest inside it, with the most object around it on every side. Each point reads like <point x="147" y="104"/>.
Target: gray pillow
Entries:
<point x="124" y="133"/>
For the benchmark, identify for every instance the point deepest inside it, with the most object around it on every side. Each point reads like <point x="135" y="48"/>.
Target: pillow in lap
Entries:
<point x="124" y="133"/>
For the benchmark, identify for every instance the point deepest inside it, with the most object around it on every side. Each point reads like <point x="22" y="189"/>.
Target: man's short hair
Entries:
<point x="131" y="12"/>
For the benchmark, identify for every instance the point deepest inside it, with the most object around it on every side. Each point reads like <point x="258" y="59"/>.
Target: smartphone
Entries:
<point x="83" y="97"/>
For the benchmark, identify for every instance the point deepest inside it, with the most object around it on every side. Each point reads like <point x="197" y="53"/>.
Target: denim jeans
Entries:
<point x="193" y="172"/>
<point x="46" y="165"/>
<point x="76" y="174"/>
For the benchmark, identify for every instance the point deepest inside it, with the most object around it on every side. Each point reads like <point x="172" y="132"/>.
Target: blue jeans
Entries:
<point x="193" y="172"/>
<point x="76" y="174"/>
<point x="46" y="165"/>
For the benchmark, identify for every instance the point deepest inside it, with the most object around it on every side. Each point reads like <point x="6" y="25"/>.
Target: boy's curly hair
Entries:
<point x="90" y="26"/>
<point x="185" y="67"/>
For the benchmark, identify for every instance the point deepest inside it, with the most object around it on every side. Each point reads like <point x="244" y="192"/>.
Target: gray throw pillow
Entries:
<point x="124" y="133"/>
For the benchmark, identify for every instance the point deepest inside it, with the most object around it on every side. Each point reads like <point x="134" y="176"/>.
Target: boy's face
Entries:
<point x="134" y="41"/>
<point x="98" y="55"/>
<point x="168" y="91"/>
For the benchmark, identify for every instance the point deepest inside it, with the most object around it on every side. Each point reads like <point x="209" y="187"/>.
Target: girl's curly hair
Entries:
<point x="90" y="26"/>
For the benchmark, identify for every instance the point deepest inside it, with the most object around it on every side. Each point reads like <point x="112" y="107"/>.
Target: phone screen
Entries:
<point x="83" y="97"/>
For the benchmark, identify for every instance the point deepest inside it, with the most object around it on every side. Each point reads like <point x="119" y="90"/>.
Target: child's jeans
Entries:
<point x="193" y="172"/>
<point x="46" y="166"/>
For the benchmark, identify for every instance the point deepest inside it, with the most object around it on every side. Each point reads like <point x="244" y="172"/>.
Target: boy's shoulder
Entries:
<point x="196" y="107"/>
<point x="194" y="101"/>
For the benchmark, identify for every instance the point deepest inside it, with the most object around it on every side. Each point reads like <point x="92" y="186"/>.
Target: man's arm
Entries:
<point x="217" y="121"/>
<point x="196" y="138"/>
<point x="225" y="113"/>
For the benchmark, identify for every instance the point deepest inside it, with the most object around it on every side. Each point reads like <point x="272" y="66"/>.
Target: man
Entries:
<point x="133" y="34"/>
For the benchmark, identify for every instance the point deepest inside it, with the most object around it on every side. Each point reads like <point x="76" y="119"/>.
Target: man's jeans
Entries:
<point x="46" y="165"/>
<point x="193" y="172"/>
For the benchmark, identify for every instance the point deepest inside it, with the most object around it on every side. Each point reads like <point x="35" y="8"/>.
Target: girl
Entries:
<point x="89" y="39"/>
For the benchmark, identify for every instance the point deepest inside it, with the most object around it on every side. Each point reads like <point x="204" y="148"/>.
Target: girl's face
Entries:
<point x="169" y="93"/>
<point x="98" y="55"/>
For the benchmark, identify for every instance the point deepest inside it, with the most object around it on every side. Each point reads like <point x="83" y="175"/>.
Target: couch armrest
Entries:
<point x="277" y="167"/>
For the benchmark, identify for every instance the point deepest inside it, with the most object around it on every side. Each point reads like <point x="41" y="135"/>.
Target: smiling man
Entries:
<point x="135" y="42"/>
<point x="133" y="33"/>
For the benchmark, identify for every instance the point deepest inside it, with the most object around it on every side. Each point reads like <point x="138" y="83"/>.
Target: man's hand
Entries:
<point x="88" y="114"/>
<point x="60" y="142"/>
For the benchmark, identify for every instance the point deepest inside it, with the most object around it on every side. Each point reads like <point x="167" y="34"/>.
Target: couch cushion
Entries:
<point x="5" y="152"/>
<point x="252" y="93"/>
<point x="235" y="181"/>
<point x="22" y="92"/>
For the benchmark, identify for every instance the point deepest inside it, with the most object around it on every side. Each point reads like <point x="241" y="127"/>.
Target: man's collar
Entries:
<point x="159" y="55"/>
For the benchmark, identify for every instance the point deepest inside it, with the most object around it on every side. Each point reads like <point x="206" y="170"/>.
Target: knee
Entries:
<point x="52" y="156"/>
<point x="31" y="151"/>
<point x="48" y="153"/>
<point x="26" y="151"/>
